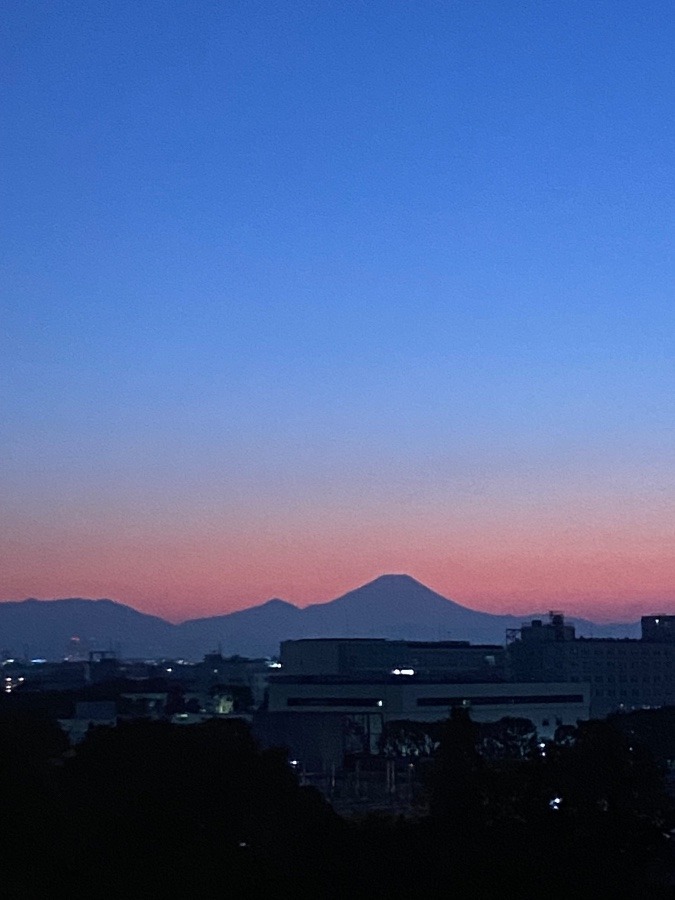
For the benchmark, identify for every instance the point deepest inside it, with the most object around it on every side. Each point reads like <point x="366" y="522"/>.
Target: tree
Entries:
<point x="456" y="780"/>
<point x="405" y="739"/>
<point x="31" y="753"/>
<point x="240" y="695"/>
<point x="193" y="805"/>
<point x="508" y="739"/>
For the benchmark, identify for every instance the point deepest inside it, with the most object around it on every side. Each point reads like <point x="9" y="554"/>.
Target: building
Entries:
<point x="622" y="674"/>
<point x="658" y="629"/>
<point x="393" y="698"/>
<point x="89" y="714"/>
<point x="235" y="672"/>
<point x="376" y="656"/>
<point x="333" y="697"/>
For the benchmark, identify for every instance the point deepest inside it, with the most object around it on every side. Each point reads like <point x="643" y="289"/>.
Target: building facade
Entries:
<point x="622" y="674"/>
<point x="334" y="697"/>
<point x="377" y="656"/>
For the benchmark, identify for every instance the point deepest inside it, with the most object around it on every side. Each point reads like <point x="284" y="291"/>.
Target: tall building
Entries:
<point x="622" y="674"/>
<point x="659" y="629"/>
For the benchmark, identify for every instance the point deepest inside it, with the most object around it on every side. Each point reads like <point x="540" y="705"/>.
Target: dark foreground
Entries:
<point x="150" y="809"/>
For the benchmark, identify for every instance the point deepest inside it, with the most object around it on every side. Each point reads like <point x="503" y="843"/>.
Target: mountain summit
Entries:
<point x="399" y="606"/>
<point x="392" y="594"/>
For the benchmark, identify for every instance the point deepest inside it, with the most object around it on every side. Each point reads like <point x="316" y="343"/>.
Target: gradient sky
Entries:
<point x="297" y="293"/>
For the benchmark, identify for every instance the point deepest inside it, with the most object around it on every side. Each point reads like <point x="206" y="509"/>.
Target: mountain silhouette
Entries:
<point x="391" y="606"/>
<point x="247" y="632"/>
<point x="44" y="628"/>
<point x="404" y="608"/>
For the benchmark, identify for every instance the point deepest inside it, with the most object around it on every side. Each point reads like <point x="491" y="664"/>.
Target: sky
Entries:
<point x="294" y="294"/>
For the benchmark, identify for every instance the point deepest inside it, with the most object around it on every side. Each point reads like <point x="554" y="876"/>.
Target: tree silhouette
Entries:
<point x="509" y="738"/>
<point x="456" y="779"/>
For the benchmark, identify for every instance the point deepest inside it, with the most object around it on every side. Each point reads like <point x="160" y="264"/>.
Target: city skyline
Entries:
<point x="296" y="296"/>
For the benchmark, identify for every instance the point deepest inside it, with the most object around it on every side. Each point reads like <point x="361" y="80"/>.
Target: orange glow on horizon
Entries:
<point x="601" y="574"/>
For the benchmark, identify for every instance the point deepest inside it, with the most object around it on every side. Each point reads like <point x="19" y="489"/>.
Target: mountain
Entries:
<point x="398" y="606"/>
<point x="256" y="631"/>
<point x="392" y="606"/>
<point x="44" y="628"/>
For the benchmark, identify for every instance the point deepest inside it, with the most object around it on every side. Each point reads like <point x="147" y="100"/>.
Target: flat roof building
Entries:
<point x="377" y="656"/>
<point x="335" y="696"/>
<point x="622" y="674"/>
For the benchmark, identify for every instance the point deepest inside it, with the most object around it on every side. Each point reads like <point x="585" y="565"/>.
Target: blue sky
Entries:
<point x="271" y="266"/>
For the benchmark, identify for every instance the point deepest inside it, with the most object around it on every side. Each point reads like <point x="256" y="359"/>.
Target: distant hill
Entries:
<point x="43" y="628"/>
<point x="256" y="631"/>
<point x="392" y="606"/>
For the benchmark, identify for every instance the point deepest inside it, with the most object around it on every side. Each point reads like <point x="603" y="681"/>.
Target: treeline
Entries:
<point x="150" y="809"/>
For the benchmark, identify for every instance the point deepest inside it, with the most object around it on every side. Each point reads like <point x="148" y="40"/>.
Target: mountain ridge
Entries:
<point x="394" y="606"/>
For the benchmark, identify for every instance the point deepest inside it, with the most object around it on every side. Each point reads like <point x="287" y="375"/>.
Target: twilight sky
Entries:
<point x="294" y="294"/>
